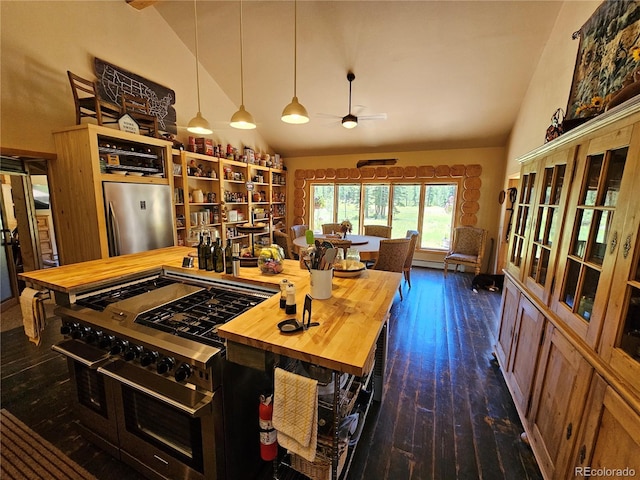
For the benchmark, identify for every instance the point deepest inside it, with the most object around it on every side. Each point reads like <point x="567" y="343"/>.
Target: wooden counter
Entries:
<point x="350" y="321"/>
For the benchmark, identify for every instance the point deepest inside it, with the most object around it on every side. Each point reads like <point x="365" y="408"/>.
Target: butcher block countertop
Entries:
<point x="350" y="321"/>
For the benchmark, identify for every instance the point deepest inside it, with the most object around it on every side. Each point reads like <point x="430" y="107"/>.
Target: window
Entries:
<point x="426" y="207"/>
<point x="323" y="202"/>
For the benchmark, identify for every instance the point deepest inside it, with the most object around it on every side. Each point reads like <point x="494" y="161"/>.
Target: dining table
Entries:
<point x="366" y="245"/>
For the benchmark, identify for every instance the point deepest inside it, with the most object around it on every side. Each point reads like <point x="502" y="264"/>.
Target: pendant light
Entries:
<point x="242" y="119"/>
<point x="295" y="112"/>
<point x="198" y="124"/>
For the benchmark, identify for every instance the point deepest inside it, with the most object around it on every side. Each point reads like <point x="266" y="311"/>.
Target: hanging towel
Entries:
<point x="295" y="413"/>
<point x="33" y="316"/>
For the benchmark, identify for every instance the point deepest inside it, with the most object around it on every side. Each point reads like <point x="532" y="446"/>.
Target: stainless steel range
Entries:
<point x="148" y="369"/>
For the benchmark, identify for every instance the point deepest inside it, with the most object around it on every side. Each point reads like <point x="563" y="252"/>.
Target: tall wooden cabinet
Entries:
<point x="87" y="156"/>
<point x="569" y="337"/>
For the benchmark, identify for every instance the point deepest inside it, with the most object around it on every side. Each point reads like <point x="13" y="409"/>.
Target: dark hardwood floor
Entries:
<point x="446" y="411"/>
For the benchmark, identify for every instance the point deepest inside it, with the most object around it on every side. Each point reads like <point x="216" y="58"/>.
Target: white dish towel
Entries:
<point x="295" y="413"/>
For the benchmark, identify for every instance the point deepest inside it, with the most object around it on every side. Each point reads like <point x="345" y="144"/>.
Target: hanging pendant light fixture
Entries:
<point x="242" y="119"/>
<point x="295" y="112"/>
<point x="198" y="124"/>
<point x="350" y="120"/>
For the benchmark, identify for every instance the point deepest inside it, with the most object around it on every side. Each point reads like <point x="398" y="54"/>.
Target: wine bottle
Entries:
<point x="202" y="261"/>
<point x="209" y="251"/>
<point x="219" y="256"/>
<point x="228" y="258"/>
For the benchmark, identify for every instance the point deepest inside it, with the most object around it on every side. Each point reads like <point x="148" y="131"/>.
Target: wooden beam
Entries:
<point x="141" y="4"/>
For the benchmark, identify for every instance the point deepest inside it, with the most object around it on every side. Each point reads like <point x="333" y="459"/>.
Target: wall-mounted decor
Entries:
<point x="608" y="56"/>
<point x="113" y="81"/>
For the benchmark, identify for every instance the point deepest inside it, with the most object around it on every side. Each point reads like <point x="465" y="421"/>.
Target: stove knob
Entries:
<point x="183" y="372"/>
<point x="68" y="327"/>
<point x="118" y="346"/>
<point x="80" y="332"/>
<point x="132" y="352"/>
<point x="106" y="341"/>
<point x="165" y="365"/>
<point x="148" y="357"/>
<point x="93" y="336"/>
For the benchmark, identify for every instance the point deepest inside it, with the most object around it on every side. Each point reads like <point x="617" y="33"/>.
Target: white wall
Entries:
<point x="551" y="83"/>
<point x="41" y="40"/>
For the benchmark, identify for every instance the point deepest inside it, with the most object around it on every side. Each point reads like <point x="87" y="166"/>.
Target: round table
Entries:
<point x="366" y="245"/>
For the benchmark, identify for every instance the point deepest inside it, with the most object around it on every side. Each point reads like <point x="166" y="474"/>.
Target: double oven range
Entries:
<point x="149" y="373"/>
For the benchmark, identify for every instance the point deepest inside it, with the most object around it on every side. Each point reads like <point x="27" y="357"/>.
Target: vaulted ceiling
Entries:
<point x="447" y="74"/>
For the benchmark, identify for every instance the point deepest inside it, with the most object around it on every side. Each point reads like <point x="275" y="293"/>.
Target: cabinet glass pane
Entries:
<point x="630" y="341"/>
<point x="602" y="221"/>
<point x="544" y="264"/>
<point x="590" y="193"/>
<point x="571" y="283"/>
<point x="516" y="254"/>
<point x="559" y="181"/>
<point x="542" y="225"/>
<point x="547" y="186"/>
<point x="552" y="227"/>
<point x="588" y="293"/>
<point x="535" y="260"/>
<point x="614" y="176"/>
<point x="581" y="232"/>
<point x="528" y="188"/>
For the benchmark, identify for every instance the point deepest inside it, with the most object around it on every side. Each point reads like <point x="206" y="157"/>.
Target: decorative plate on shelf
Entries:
<point x="118" y="172"/>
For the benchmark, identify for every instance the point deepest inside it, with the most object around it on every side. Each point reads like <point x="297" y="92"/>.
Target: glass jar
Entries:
<point x="271" y="260"/>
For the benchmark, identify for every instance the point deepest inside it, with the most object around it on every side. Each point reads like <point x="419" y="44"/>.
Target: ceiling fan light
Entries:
<point x="295" y="113"/>
<point x="242" y="120"/>
<point x="350" y="121"/>
<point x="199" y="125"/>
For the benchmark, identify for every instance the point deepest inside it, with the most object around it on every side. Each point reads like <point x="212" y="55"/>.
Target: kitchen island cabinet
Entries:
<point x="350" y="340"/>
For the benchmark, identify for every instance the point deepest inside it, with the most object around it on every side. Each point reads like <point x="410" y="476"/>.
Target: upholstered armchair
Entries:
<point x="284" y="241"/>
<point x="467" y="248"/>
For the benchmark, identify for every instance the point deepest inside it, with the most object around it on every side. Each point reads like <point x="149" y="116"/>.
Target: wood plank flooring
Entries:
<point x="446" y="412"/>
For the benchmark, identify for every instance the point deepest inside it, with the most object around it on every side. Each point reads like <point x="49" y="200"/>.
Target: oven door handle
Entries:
<point x="79" y="357"/>
<point x="196" y="411"/>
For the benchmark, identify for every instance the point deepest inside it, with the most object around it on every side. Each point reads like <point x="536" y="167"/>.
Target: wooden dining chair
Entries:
<point x="330" y="228"/>
<point x="89" y="104"/>
<point x="392" y="256"/>
<point x="467" y="248"/>
<point x="412" y="235"/>
<point x="284" y="241"/>
<point x="383" y="231"/>
<point x="138" y="108"/>
<point x="341" y="243"/>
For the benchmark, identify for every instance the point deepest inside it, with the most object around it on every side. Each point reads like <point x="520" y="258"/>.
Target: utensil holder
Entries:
<point x="321" y="284"/>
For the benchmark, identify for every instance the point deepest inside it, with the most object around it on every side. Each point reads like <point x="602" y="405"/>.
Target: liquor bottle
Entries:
<point x="209" y="250"/>
<point x="202" y="261"/>
<point x="218" y="256"/>
<point x="228" y="258"/>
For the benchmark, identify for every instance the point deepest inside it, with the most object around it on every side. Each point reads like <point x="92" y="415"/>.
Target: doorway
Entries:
<point x="28" y="238"/>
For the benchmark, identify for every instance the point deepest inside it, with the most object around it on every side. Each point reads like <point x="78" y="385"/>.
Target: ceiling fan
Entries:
<point x="351" y="120"/>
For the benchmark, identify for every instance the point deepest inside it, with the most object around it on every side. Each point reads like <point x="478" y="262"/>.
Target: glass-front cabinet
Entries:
<point x="522" y="220"/>
<point x="551" y="195"/>
<point x="620" y="344"/>
<point x="594" y="221"/>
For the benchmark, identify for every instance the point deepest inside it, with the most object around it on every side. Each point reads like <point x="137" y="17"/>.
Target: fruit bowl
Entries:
<point x="271" y="260"/>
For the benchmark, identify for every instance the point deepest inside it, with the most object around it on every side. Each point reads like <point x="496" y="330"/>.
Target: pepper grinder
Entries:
<point x="283" y="292"/>
<point x="290" y="307"/>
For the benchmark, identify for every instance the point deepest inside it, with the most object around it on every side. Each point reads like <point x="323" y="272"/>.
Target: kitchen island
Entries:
<point x="350" y="339"/>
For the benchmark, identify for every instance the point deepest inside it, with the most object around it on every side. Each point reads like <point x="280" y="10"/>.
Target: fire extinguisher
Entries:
<point x="268" y="434"/>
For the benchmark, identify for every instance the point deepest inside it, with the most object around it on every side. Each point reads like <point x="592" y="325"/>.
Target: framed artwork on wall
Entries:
<point x="608" y="57"/>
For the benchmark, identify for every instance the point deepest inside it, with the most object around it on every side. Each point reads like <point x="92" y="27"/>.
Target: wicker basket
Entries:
<point x="320" y="468"/>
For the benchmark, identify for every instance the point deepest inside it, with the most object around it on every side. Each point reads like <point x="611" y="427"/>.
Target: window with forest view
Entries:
<point x="426" y="207"/>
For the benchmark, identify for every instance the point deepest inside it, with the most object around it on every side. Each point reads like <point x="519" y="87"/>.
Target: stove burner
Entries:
<point x="100" y="301"/>
<point x="198" y="315"/>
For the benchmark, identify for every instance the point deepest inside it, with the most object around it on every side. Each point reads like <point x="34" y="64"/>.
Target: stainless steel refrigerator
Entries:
<point x="139" y="217"/>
